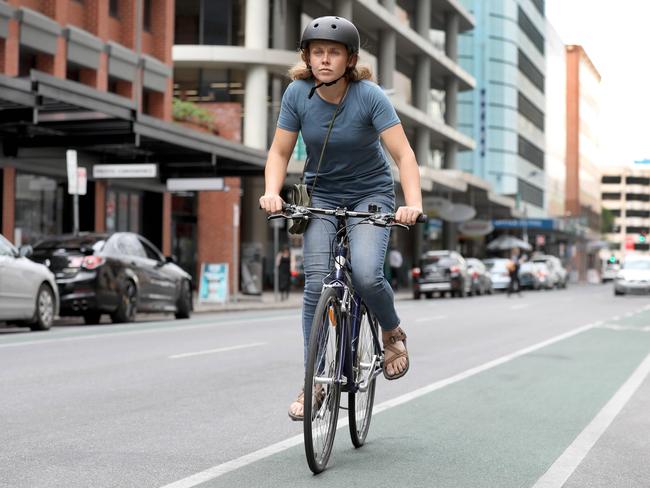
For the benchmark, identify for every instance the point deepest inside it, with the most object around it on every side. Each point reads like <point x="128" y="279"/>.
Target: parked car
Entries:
<point x="559" y="276"/>
<point x="610" y="270"/>
<point x="117" y="274"/>
<point x="441" y="271"/>
<point x="481" y="281"/>
<point x="634" y="276"/>
<point x="535" y="275"/>
<point x="28" y="291"/>
<point x="498" y="271"/>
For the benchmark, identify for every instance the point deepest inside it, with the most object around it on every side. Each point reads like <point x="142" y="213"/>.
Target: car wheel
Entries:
<point x="92" y="318"/>
<point x="462" y="293"/>
<point x="416" y="295"/>
<point x="617" y="293"/>
<point x="44" y="313"/>
<point x="126" y="308"/>
<point x="184" y="304"/>
<point x="429" y="295"/>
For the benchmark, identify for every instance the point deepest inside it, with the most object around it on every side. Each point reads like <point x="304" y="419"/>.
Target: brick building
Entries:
<point x="96" y="76"/>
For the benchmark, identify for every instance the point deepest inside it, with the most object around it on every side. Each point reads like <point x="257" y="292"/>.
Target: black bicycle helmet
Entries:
<point x="332" y="28"/>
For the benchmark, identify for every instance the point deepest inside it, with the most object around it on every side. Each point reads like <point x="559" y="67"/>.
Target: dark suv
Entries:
<point x="441" y="271"/>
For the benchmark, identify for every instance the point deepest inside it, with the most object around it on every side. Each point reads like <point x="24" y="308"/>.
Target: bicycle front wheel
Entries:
<point x="322" y="394"/>
<point x="366" y="360"/>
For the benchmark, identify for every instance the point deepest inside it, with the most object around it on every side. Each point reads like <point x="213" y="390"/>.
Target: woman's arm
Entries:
<point x="399" y="148"/>
<point x="276" y="169"/>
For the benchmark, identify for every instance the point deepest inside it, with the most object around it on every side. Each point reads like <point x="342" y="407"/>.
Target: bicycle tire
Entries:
<point x="319" y="422"/>
<point x="360" y="403"/>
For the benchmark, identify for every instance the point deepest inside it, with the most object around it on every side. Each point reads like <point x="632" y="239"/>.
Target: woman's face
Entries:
<point x="328" y="60"/>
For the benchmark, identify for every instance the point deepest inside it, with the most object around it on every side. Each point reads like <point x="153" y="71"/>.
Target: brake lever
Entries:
<point x="397" y="224"/>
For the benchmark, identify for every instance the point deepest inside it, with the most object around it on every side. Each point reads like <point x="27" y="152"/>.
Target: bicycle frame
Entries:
<point x="351" y="306"/>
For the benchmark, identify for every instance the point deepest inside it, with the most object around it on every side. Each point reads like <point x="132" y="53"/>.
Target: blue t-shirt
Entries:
<point x="354" y="164"/>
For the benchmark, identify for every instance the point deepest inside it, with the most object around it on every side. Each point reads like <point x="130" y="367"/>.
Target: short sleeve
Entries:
<point x="289" y="118"/>
<point x="382" y="112"/>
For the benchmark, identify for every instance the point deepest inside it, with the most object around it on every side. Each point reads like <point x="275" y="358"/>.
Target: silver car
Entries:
<point x="634" y="276"/>
<point x="28" y="291"/>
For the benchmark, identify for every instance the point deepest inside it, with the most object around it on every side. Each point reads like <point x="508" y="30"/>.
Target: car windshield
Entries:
<point x="637" y="264"/>
<point x="96" y="243"/>
<point x="443" y="261"/>
<point x="496" y="265"/>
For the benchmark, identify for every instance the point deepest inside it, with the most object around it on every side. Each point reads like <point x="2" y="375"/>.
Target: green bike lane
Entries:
<point x="503" y="427"/>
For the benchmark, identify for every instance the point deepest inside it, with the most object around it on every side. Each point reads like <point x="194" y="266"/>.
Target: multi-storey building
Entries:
<point x="96" y="76"/>
<point x="625" y="193"/>
<point x="505" y="114"/>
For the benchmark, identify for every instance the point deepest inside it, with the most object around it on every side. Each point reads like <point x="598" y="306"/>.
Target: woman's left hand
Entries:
<point x="407" y="215"/>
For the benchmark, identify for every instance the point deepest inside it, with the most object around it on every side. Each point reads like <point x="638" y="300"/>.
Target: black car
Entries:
<point x="115" y="274"/>
<point x="441" y="272"/>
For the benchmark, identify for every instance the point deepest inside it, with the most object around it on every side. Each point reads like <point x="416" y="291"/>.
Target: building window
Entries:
<point x="530" y="30"/>
<point x="527" y="109"/>
<point x="530" y="193"/>
<point x="633" y="229"/>
<point x="637" y="197"/>
<point x="113" y="8"/>
<point x="531" y="152"/>
<point x="611" y="196"/>
<point x="539" y="5"/>
<point x="146" y="15"/>
<point x="611" y="179"/>
<point x="530" y="71"/>
<point x="637" y="180"/>
<point x="617" y="213"/>
<point x="39" y="208"/>
<point x="211" y="22"/>
<point x="123" y="211"/>
<point x="633" y="213"/>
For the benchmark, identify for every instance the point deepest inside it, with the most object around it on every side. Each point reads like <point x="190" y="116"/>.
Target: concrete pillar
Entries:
<point x="422" y="145"/>
<point x="423" y="18"/>
<point x="8" y="202"/>
<point x="451" y="119"/>
<point x="387" y="54"/>
<point x="343" y="8"/>
<point x="451" y="35"/>
<point x="255" y="104"/>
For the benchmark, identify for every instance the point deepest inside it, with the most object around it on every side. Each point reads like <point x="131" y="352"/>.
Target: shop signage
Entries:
<point x="77" y="177"/>
<point x="546" y="224"/>
<point x="196" y="184"/>
<point x="103" y="171"/>
<point x="476" y="228"/>
<point x="213" y="284"/>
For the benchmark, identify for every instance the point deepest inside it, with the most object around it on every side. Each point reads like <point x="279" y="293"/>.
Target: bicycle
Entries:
<point x="345" y="354"/>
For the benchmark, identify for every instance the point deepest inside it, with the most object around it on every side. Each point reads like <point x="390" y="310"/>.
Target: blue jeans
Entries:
<point x="368" y="245"/>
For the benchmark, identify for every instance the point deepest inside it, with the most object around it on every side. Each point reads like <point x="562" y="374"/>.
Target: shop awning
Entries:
<point x="45" y="111"/>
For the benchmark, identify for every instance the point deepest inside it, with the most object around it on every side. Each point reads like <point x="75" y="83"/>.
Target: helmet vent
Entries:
<point x="333" y="26"/>
<point x="315" y="25"/>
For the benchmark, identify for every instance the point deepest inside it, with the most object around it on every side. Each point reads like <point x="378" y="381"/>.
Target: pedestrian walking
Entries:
<point x="283" y="263"/>
<point x="395" y="261"/>
<point x="513" y="270"/>
<point x="331" y="96"/>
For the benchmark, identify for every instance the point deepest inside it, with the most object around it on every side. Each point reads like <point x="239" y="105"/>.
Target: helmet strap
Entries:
<point x="313" y="90"/>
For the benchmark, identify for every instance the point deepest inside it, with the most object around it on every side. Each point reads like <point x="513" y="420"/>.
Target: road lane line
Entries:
<point x="240" y="462"/>
<point x="108" y="333"/>
<point x="213" y="351"/>
<point x="429" y="319"/>
<point x="566" y="464"/>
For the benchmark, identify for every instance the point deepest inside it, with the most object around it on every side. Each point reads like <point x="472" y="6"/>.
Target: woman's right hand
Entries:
<point x="271" y="203"/>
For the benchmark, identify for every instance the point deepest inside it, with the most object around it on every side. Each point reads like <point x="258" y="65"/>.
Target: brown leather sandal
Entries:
<point x="320" y="397"/>
<point x="301" y="401"/>
<point x="389" y="339"/>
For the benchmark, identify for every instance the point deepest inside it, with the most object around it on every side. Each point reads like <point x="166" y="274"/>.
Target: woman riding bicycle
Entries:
<point x="354" y="173"/>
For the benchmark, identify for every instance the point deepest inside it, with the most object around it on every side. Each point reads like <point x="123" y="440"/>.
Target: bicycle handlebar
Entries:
<point x="297" y="212"/>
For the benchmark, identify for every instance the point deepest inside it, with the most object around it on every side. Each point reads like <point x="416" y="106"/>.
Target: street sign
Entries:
<point x="104" y="171"/>
<point x="71" y="165"/>
<point x="82" y="181"/>
<point x="195" y="184"/>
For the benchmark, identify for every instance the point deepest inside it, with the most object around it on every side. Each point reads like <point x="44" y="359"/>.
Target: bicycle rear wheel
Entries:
<point x="360" y="403"/>
<point x="322" y="395"/>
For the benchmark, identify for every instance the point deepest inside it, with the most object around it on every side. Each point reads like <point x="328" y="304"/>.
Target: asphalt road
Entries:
<point x="549" y="389"/>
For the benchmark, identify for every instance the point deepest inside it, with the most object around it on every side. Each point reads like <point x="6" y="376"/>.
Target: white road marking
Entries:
<point x="212" y="351"/>
<point x="429" y="319"/>
<point x="182" y="328"/>
<point x="566" y="464"/>
<point x="519" y="307"/>
<point x="625" y="327"/>
<point x="227" y="467"/>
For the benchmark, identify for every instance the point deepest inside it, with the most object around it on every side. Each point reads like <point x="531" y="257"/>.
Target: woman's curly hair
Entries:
<point x="302" y="70"/>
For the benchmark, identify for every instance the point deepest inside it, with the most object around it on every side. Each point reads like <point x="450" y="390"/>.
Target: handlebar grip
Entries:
<point x="422" y="218"/>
